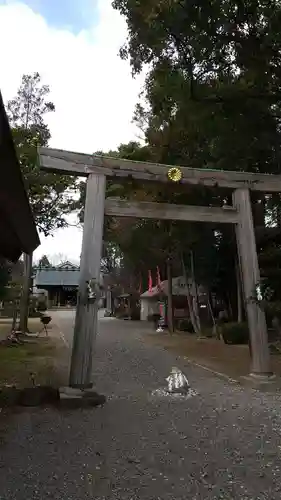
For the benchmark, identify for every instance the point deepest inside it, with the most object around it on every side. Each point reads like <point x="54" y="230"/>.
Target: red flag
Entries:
<point x="149" y="281"/>
<point x="161" y="308"/>
<point x="140" y="287"/>
<point x="158" y="277"/>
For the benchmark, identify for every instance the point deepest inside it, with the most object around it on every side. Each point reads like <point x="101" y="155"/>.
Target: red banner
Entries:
<point x="149" y="281"/>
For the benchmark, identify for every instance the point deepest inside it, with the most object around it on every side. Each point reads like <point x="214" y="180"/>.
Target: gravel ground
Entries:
<point x="222" y="443"/>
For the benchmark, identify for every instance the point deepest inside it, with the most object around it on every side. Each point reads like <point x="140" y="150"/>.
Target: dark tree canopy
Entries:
<point x="213" y="81"/>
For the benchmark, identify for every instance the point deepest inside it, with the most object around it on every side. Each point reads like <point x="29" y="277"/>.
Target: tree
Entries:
<point x="44" y="262"/>
<point x="213" y="84"/>
<point x="50" y="195"/>
<point x="212" y="95"/>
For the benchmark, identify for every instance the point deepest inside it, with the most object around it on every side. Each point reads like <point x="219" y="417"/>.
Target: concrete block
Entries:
<point x="266" y="383"/>
<point x="77" y="398"/>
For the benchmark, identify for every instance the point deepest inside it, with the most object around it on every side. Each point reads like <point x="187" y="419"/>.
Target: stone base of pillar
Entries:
<point x="266" y="382"/>
<point x="71" y="398"/>
<point x="81" y="387"/>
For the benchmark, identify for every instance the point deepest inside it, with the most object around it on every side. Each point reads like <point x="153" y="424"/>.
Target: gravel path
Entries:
<point x="223" y="443"/>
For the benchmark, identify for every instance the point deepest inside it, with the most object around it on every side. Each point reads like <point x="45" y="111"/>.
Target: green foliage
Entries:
<point x="185" y="325"/>
<point x="211" y="100"/>
<point x="213" y="83"/>
<point x="126" y="239"/>
<point x="235" y="333"/>
<point x="142" y="244"/>
<point x="50" y="195"/>
<point x="44" y="262"/>
<point x="270" y="285"/>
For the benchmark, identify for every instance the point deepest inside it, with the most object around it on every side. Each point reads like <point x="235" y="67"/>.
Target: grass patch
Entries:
<point x="34" y="325"/>
<point x="35" y="356"/>
<point x="232" y="360"/>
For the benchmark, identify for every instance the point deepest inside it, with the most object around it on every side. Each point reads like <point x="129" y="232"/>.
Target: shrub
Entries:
<point x="185" y="325"/>
<point x="235" y="333"/>
<point x="208" y="332"/>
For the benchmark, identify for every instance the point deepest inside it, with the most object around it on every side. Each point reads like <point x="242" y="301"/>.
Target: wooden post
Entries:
<point x="239" y="294"/>
<point x="249" y="267"/>
<point x="195" y="297"/>
<point x="170" y="297"/>
<point x="108" y="304"/>
<point x="85" y="328"/>
<point x="24" y="302"/>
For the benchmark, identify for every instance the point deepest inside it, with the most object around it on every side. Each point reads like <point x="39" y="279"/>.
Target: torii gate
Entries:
<point x="97" y="169"/>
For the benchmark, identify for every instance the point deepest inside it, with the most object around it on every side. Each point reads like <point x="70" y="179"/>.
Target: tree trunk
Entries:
<point x="209" y="304"/>
<point x="195" y="298"/>
<point x="170" y="297"/>
<point x="24" y="303"/>
<point x="189" y="300"/>
<point x="15" y="315"/>
<point x="239" y="295"/>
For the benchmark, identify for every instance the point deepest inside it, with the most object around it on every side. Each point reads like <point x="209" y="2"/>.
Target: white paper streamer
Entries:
<point x="177" y="382"/>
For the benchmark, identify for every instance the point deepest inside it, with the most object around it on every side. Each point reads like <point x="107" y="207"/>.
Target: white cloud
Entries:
<point x="91" y="87"/>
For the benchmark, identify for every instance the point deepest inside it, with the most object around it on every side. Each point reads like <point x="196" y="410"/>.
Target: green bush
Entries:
<point x="185" y="325"/>
<point x="235" y="333"/>
<point x="208" y="332"/>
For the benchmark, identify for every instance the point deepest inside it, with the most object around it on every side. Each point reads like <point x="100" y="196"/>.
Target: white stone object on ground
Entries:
<point x="177" y="381"/>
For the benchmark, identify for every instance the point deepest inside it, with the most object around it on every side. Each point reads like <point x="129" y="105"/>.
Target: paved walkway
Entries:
<point x="224" y="443"/>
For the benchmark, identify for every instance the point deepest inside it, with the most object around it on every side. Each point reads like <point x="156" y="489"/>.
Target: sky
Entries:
<point x="75" y="50"/>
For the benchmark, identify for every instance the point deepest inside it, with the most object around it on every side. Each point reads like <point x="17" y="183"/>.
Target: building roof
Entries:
<point x="179" y="288"/>
<point x="66" y="274"/>
<point x="67" y="265"/>
<point x="18" y="232"/>
<point x="51" y="276"/>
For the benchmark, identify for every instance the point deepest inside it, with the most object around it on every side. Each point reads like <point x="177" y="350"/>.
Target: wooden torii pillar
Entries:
<point x="250" y="274"/>
<point x="85" y="328"/>
<point x="97" y="168"/>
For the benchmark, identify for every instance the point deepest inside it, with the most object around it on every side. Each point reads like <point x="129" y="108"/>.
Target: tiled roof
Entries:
<point x="57" y="277"/>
